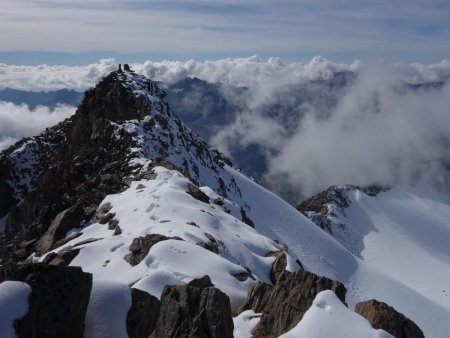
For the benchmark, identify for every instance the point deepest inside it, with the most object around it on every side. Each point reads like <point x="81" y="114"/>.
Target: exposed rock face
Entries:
<point x="63" y="222"/>
<point x="141" y="246"/>
<point x="385" y="317"/>
<point x="22" y="163"/>
<point x="331" y="203"/>
<point x="143" y="314"/>
<point x="58" y="300"/>
<point x="278" y="266"/>
<point x="63" y="257"/>
<point x="198" y="194"/>
<point x="194" y="310"/>
<point x="317" y="207"/>
<point x="284" y="304"/>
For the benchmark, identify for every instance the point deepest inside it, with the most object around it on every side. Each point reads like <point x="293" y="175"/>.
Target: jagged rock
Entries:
<point x="385" y="317"/>
<point x="213" y="247"/>
<point x="117" y="230"/>
<point x="107" y="218"/>
<point x="141" y="246"/>
<point x="197" y="194"/>
<point x="243" y="276"/>
<point x="191" y="311"/>
<point x="58" y="300"/>
<point x="256" y="298"/>
<point x="112" y="224"/>
<point x="218" y="201"/>
<point x="316" y="207"/>
<point x="63" y="222"/>
<point x="246" y="219"/>
<point x="203" y="282"/>
<point x="143" y="314"/>
<point x="64" y="257"/>
<point x="278" y="266"/>
<point x="284" y="304"/>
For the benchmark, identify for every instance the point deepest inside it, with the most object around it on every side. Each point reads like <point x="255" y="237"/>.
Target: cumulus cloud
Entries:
<point x="247" y="72"/>
<point x="53" y="77"/>
<point x="378" y="130"/>
<point x="17" y="122"/>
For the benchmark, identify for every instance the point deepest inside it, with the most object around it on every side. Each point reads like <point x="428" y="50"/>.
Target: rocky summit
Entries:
<point x="122" y="222"/>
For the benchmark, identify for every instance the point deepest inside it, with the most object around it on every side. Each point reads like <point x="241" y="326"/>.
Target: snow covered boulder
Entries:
<point x="284" y="304"/>
<point x="383" y="316"/>
<point x="197" y="309"/>
<point x="328" y="317"/>
<point x="58" y="301"/>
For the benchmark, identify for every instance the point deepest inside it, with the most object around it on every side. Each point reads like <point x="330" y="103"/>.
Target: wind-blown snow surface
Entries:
<point x="403" y="232"/>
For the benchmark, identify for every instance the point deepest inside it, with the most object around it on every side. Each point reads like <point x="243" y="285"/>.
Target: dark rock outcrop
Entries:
<point x="194" y="310"/>
<point x="385" y="317"/>
<point x="58" y="300"/>
<point x="63" y="257"/>
<point x="63" y="222"/>
<point x="284" y="304"/>
<point x="278" y="266"/>
<point x="143" y="314"/>
<point x="316" y="207"/>
<point x="198" y="194"/>
<point x="141" y="246"/>
<point x="246" y="219"/>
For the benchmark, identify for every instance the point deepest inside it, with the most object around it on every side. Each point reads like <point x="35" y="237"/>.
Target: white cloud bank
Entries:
<point x="17" y="122"/>
<point x="378" y="133"/>
<point x="251" y="72"/>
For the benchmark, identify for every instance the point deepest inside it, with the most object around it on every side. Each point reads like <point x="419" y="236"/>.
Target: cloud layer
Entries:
<point x="17" y="122"/>
<point x="249" y="72"/>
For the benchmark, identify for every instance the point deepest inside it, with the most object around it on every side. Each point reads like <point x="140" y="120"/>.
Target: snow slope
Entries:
<point x="323" y="255"/>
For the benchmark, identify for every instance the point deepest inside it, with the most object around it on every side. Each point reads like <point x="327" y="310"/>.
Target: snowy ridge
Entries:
<point x="162" y="136"/>
<point x="162" y="206"/>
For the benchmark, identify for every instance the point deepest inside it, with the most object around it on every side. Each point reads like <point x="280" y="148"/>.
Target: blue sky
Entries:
<point x="83" y="31"/>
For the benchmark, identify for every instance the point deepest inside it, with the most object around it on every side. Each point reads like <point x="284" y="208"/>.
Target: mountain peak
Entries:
<point x="123" y="95"/>
<point x="121" y="131"/>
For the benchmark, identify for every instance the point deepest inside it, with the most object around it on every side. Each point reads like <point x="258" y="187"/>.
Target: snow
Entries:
<point x="13" y="305"/>
<point x="410" y="238"/>
<point x="327" y="315"/>
<point x="107" y="310"/>
<point x="323" y="255"/>
<point x="245" y="323"/>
